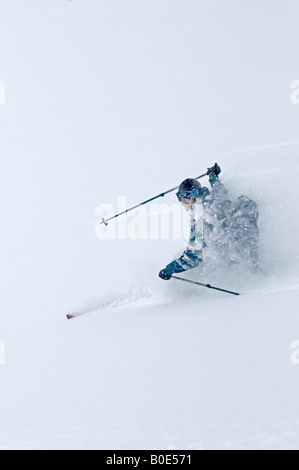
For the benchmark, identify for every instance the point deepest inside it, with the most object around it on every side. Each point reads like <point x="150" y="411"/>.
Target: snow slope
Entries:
<point x="167" y="366"/>
<point x="94" y="109"/>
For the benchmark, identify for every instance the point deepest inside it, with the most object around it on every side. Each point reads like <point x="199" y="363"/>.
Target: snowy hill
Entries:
<point x="102" y="102"/>
<point x="167" y="366"/>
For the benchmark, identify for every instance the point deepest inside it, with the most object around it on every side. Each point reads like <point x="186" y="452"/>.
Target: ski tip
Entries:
<point x="69" y="316"/>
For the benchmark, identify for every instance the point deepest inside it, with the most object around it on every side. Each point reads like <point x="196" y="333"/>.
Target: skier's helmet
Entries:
<point x="189" y="189"/>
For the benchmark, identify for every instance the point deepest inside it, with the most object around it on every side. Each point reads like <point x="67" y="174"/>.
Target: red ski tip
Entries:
<point x="69" y="317"/>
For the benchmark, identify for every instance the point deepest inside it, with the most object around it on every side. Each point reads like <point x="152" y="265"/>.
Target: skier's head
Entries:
<point x="189" y="191"/>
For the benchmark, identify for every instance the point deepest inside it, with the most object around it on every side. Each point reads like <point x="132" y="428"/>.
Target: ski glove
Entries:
<point x="214" y="173"/>
<point x="215" y="170"/>
<point x="164" y="275"/>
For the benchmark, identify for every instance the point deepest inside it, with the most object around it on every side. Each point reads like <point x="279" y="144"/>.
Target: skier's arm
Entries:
<point x="190" y="259"/>
<point x="214" y="173"/>
<point x="192" y="256"/>
<point x="218" y="191"/>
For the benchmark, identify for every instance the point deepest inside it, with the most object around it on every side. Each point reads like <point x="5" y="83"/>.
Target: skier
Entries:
<point x="219" y="228"/>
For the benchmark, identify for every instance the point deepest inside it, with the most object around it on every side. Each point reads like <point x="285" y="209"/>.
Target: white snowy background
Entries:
<point x="129" y="97"/>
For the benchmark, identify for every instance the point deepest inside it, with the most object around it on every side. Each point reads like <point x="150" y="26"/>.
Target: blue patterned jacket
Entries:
<point x="192" y="256"/>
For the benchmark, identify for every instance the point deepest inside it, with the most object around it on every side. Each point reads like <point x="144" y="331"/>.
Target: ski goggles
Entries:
<point x="188" y="194"/>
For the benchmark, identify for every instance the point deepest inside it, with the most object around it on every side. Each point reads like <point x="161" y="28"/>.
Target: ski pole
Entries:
<point x="205" y="285"/>
<point x="105" y="221"/>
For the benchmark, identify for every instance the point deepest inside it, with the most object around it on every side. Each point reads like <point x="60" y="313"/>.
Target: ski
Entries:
<point x="70" y="316"/>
